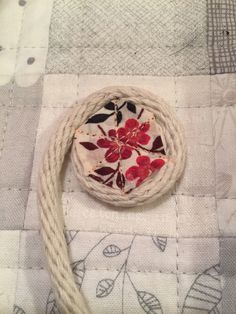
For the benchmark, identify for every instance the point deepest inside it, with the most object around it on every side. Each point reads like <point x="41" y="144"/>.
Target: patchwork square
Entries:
<point x="31" y="220"/>
<point x="198" y="178"/>
<point x="103" y="299"/>
<point x="196" y="255"/>
<point x="28" y="95"/>
<point x="154" y="291"/>
<point x="191" y="61"/>
<point x="49" y="119"/>
<point x="84" y="212"/>
<point x="60" y="90"/>
<point x="10" y="28"/>
<point x="221" y="36"/>
<point x="32" y="291"/>
<point x="227" y="256"/>
<point x="193" y="91"/>
<point x="30" y="64"/>
<point x="7" y="64"/>
<point x="190" y="23"/>
<point x="111" y="250"/>
<point x="118" y="61"/>
<point x="127" y="24"/>
<point x="162" y="85"/>
<point x="197" y="216"/>
<point x="227" y="216"/>
<point x="31" y="250"/>
<point x="7" y="289"/>
<point x="223" y="89"/>
<point x="64" y="60"/>
<point x="141" y="291"/>
<point x="87" y="45"/>
<point x="40" y="10"/>
<point x="3" y="124"/>
<point x="225" y="135"/>
<point x="18" y="147"/>
<point x="158" y="254"/>
<point x="12" y="207"/>
<point x="9" y="247"/>
<point x="5" y="93"/>
<point x="229" y="295"/>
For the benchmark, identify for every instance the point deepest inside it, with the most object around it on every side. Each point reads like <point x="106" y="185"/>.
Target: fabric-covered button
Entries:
<point x="121" y="146"/>
<point x="131" y="149"/>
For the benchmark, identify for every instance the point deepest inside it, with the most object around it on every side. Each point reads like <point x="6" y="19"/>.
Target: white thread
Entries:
<point x="69" y="299"/>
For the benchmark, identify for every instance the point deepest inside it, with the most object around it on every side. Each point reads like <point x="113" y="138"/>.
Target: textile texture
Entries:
<point x="120" y="146"/>
<point x="176" y="255"/>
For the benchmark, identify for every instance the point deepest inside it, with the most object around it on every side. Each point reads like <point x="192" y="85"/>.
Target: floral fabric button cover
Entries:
<point x="121" y="146"/>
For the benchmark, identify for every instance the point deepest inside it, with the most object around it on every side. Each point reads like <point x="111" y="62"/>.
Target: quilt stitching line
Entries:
<point x="215" y="192"/>
<point x="34" y="146"/>
<point x="16" y="60"/>
<point x="137" y="234"/>
<point x="142" y="271"/>
<point x="175" y="198"/>
<point x="4" y="129"/>
<point x="177" y="251"/>
<point x="7" y="114"/>
<point x="123" y="233"/>
<point x="12" y="188"/>
<point x="121" y="47"/>
<point x="177" y="221"/>
<point x="67" y="107"/>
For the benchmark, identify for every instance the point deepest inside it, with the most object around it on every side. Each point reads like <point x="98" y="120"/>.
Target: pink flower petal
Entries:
<point x="157" y="164"/>
<point x="144" y="127"/>
<point x="112" y="133"/>
<point x="131" y="173"/>
<point x="122" y="133"/>
<point x="143" y="138"/>
<point x="132" y="140"/>
<point x="104" y="143"/>
<point x="143" y="160"/>
<point x="143" y="172"/>
<point x="126" y="152"/>
<point x="111" y="155"/>
<point x="139" y="182"/>
<point x="131" y="124"/>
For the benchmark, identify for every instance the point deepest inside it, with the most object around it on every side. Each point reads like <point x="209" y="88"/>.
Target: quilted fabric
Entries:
<point x="177" y="255"/>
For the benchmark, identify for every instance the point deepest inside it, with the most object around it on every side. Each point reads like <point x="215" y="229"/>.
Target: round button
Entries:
<point x="130" y="149"/>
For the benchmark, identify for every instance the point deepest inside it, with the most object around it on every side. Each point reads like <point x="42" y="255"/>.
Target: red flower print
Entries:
<point x="134" y="133"/>
<point x="116" y="149"/>
<point x="121" y="142"/>
<point x="144" y="169"/>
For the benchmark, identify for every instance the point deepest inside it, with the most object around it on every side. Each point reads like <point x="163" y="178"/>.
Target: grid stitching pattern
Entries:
<point x="221" y="36"/>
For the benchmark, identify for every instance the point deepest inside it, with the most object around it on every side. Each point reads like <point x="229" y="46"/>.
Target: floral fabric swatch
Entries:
<point x="121" y="145"/>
